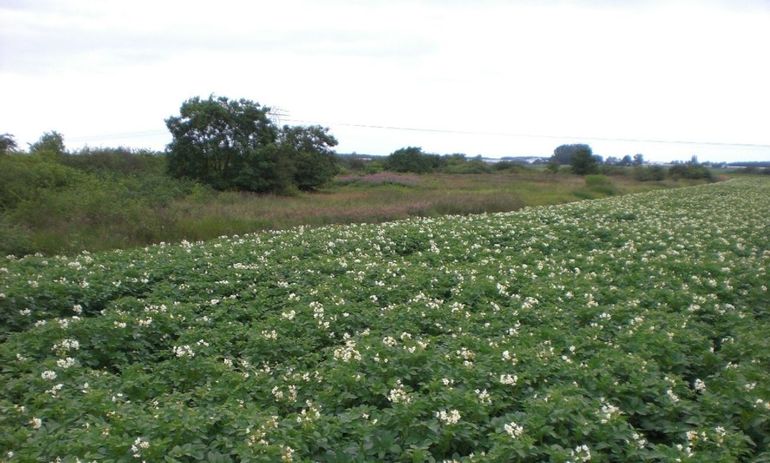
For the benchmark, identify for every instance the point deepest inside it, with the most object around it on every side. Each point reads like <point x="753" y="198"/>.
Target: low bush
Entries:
<point x="49" y="207"/>
<point x="510" y="166"/>
<point x="24" y="177"/>
<point x="116" y="160"/>
<point x="690" y="171"/>
<point x="649" y="174"/>
<point x="468" y="167"/>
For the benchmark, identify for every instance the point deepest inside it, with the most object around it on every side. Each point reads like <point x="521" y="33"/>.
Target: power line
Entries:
<point x="525" y="135"/>
<point x="278" y="115"/>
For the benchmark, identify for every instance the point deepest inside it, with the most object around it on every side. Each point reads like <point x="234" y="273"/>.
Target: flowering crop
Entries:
<point x="627" y="329"/>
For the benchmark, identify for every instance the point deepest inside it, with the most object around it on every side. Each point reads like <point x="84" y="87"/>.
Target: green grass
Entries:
<point x="119" y="201"/>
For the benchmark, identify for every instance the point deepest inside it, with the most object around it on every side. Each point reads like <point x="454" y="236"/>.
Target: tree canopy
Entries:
<point x="233" y="144"/>
<point x="312" y="153"/>
<point x="563" y="153"/>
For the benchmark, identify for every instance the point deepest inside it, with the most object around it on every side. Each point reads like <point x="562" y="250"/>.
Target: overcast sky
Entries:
<point x="479" y="77"/>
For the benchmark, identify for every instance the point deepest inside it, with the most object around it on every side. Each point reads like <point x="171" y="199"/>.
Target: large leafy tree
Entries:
<point x="215" y="139"/>
<point x="231" y="144"/>
<point x="563" y="153"/>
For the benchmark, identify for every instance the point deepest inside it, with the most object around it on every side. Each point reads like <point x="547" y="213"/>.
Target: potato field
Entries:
<point x="635" y="328"/>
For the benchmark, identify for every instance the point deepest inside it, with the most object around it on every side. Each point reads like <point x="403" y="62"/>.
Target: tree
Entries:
<point x="218" y="140"/>
<point x="7" y="143"/>
<point x="310" y="148"/>
<point x="233" y="144"/>
<point x="626" y="161"/>
<point x="583" y="162"/>
<point x="563" y="153"/>
<point x="49" y="144"/>
<point x="638" y="159"/>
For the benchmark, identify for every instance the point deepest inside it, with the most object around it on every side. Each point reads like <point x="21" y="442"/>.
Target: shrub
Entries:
<point x="50" y="145"/>
<point x="469" y="167"/>
<point x="651" y="173"/>
<point x="614" y="170"/>
<point x="583" y="162"/>
<point x="23" y="177"/>
<point x="552" y="167"/>
<point x="690" y="171"/>
<point x="510" y="166"/>
<point x="49" y="207"/>
<point x="118" y="160"/>
<point x="412" y="159"/>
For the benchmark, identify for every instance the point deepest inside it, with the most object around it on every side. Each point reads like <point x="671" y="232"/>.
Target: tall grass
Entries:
<point x="112" y="199"/>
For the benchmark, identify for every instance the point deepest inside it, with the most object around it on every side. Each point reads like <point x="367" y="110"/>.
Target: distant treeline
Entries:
<point x="577" y="159"/>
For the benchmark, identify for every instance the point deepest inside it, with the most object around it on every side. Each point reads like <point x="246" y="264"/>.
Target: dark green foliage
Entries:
<point x="24" y="177"/>
<point x="231" y="144"/>
<point x="509" y="165"/>
<point x="50" y="144"/>
<point x="583" y="162"/>
<point x="7" y="143"/>
<point x="117" y="160"/>
<point x="648" y="174"/>
<point x="215" y="140"/>
<point x="412" y="159"/>
<point x="691" y="171"/>
<point x="613" y="169"/>
<point x="263" y="171"/>
<point x="459" y="164"/>
<point x="310" y="149"/>
<point x="563" y="154"/>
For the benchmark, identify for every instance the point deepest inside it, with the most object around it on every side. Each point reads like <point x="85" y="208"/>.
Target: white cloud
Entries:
<point x="645" y="70"/>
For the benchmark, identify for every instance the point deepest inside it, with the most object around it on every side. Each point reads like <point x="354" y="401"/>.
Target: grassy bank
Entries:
<point x="102" y="203"/>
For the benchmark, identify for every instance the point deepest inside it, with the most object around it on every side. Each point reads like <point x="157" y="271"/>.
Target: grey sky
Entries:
<point x="497" y="78"/>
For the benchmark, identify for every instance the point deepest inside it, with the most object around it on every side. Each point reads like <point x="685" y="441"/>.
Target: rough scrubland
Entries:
<point x="112" y="199"/>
